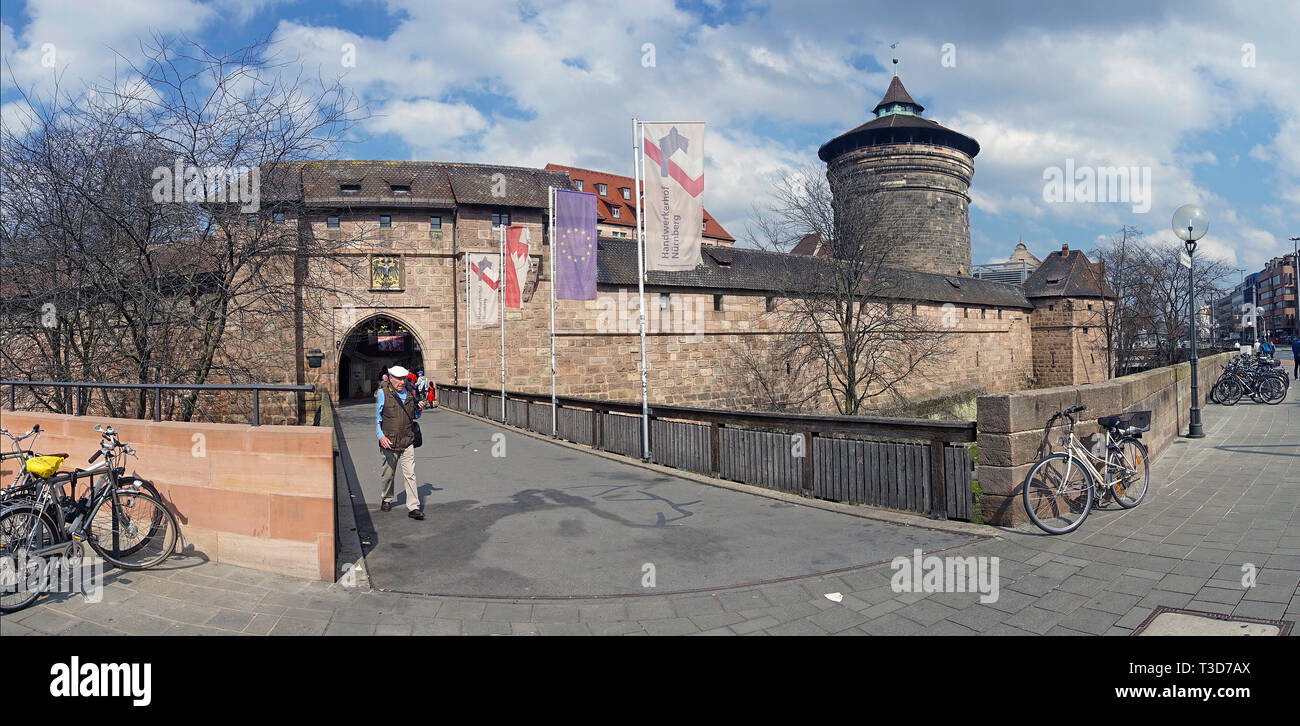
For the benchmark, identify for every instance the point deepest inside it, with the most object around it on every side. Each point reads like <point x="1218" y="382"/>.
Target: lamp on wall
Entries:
<point x="314" y="357"/>
<point x="1190" y="224"/>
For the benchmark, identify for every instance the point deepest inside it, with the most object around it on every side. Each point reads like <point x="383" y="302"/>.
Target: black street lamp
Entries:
<point x="1190" y="224"/>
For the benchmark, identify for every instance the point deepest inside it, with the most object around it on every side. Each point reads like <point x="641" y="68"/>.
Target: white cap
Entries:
<point x="398" y="372"/>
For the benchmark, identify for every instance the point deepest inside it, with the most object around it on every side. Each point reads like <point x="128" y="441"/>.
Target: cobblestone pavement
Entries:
<point x="1217" y="505"/>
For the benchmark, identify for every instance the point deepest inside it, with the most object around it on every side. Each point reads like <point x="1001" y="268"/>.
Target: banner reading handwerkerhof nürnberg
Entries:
<point x="674" y="188"/>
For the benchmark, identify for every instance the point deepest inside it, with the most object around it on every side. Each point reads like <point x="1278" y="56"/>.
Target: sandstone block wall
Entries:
<point x="923" y="189"/>
<point x="259" y="497"/>
<point x="1011" y="425"/>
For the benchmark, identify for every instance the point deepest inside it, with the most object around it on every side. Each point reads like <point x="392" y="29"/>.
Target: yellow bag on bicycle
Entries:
<point x="44" y="466"/>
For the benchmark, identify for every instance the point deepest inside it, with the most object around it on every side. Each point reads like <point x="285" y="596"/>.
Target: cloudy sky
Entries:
<point x="1204" y="95"/>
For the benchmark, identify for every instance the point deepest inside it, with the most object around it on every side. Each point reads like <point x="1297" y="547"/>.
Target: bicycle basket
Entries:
<point x="44" y="466"/>
<point x="1135" y="421"/>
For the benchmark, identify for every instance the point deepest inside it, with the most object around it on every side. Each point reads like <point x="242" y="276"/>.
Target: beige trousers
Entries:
<point x="389" y="468"/>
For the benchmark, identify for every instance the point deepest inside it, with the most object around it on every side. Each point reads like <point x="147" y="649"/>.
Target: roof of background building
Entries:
<point x="758" y="271"/>
<point x="1067" y="273"/>
<point x="613" y="199"/>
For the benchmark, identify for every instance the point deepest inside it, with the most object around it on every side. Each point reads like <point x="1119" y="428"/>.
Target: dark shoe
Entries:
<point x="416" y="514"/>
<point x="386" y="506"/>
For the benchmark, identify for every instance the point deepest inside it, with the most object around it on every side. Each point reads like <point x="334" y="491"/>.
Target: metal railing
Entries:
<point x="76" y="388"/>
<point x="608" y="426"/>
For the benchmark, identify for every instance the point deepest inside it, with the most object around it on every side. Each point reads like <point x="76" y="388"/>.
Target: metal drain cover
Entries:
<point x="1177" y="621"/>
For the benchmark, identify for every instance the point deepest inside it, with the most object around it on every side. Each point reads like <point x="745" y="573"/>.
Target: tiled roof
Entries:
<point x="897" y="128"/>
<point x="613" y="198"/>
<point x="811" y="244"/>
<point x="429" y="182"/>
<point x="740" y="268"/>
<point x="1067" y="273"/>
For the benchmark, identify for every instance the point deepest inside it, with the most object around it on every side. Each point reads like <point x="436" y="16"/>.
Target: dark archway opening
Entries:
<point x="372" y="347"/>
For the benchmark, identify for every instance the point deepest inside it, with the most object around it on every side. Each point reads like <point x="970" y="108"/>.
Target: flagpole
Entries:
<point x="501" y="295"/>
<point x="640" y="280"/>
<point x="469" y="371"/>
<point x="551" y="222"/>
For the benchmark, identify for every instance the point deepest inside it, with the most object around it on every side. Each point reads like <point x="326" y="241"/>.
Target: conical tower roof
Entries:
<point x="896" y="93"/>
<point x="894" y="127"/>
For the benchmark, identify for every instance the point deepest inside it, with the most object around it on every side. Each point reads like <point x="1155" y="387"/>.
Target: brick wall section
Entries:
<point x="925" y="191"/>
<point x="259" y="497"/>
<point x="1011" y="425"/>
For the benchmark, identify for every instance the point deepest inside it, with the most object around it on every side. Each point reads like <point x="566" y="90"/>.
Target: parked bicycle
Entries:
<point x="121" y="520"/>
<point x="1060" y="489"/>
<point x="1257" y="377"/>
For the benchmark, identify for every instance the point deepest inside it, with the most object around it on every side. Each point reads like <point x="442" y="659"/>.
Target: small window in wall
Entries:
<point x="665" y="300"/>
<point x="770" y="304"/>
<point x="999" y="313"/>
<point x="717" y="303"/>
<point x="332" y="222"/>
<point x="578" y="183"/>
<point x="500" y="219"/>
<point x="385" y="221"/>
<point x="627" y="193"/>
<point x="278" y="217"/>
<point x="704" y="225"/>
<point x="1051" y="307"/>
<point x="435" y="222"/>
<point x="965" y="312"/>
<point x="914" y="308"/>
<point x="984" y="313"/>
<point x="601" y="188"/>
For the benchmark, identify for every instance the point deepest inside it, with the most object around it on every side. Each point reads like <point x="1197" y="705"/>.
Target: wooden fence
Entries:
<point x="916" y="465"/>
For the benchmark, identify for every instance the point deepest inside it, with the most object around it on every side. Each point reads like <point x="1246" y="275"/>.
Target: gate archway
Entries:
<point x="373" y="346"/>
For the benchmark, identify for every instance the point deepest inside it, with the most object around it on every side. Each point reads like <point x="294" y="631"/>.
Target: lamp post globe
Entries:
<point x="1190" y="223"/>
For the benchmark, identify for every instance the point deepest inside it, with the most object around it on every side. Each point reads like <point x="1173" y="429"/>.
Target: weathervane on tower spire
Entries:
<point x="895" y="46"/>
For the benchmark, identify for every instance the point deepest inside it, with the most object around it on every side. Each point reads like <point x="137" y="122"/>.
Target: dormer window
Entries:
<point x="615" y="211"/>
<point x="347" y="189"/>
<point x="627" y="193"/>
<point x="401" y="190"/>
<point x="602" y="189"/>
<point x="578" y="183"/>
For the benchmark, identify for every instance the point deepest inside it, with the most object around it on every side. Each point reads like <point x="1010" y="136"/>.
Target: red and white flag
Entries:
<point x="517" y="271"/>
<point x="674" y="188"/>
<point x="484" y="281"/>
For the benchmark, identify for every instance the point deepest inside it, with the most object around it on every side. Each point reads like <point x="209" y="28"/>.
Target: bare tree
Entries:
<point x="845" y="328"/>
<point x="1149" y="322"/>
<point x="149" y="205"/>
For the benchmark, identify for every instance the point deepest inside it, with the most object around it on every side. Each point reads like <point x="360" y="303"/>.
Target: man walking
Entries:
<point x="1295" y="358"/>
<point x="396" y="411"/>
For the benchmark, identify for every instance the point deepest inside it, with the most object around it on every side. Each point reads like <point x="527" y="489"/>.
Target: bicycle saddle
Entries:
<point x="44" y="466"/>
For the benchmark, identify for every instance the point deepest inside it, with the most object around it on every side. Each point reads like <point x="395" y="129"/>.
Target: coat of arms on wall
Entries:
<point x="386" y="272"/>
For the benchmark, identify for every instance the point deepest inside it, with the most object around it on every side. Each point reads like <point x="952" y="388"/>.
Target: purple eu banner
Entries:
<point x="575" y="251"/>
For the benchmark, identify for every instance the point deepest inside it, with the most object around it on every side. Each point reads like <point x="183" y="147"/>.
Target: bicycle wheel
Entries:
<point x="1232" y="393"/>
<point x="1272" y="390"/>
<point x="1216" y="391"/>
<point x="1058" y="494"/>
<point x="1133" y="473"/>
<point x="132" y="530"/>
<point x="23" y="575"/>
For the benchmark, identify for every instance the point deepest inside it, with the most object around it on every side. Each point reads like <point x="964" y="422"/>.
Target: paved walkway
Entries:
<point x="1219" y="506"/>
<point x="513" y="515"/>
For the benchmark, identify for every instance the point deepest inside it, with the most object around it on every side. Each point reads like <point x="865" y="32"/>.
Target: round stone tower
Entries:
<point x="907" y="178"/>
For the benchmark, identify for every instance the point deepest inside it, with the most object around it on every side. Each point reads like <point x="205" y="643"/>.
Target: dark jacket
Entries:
<point x="398" y="425"/>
